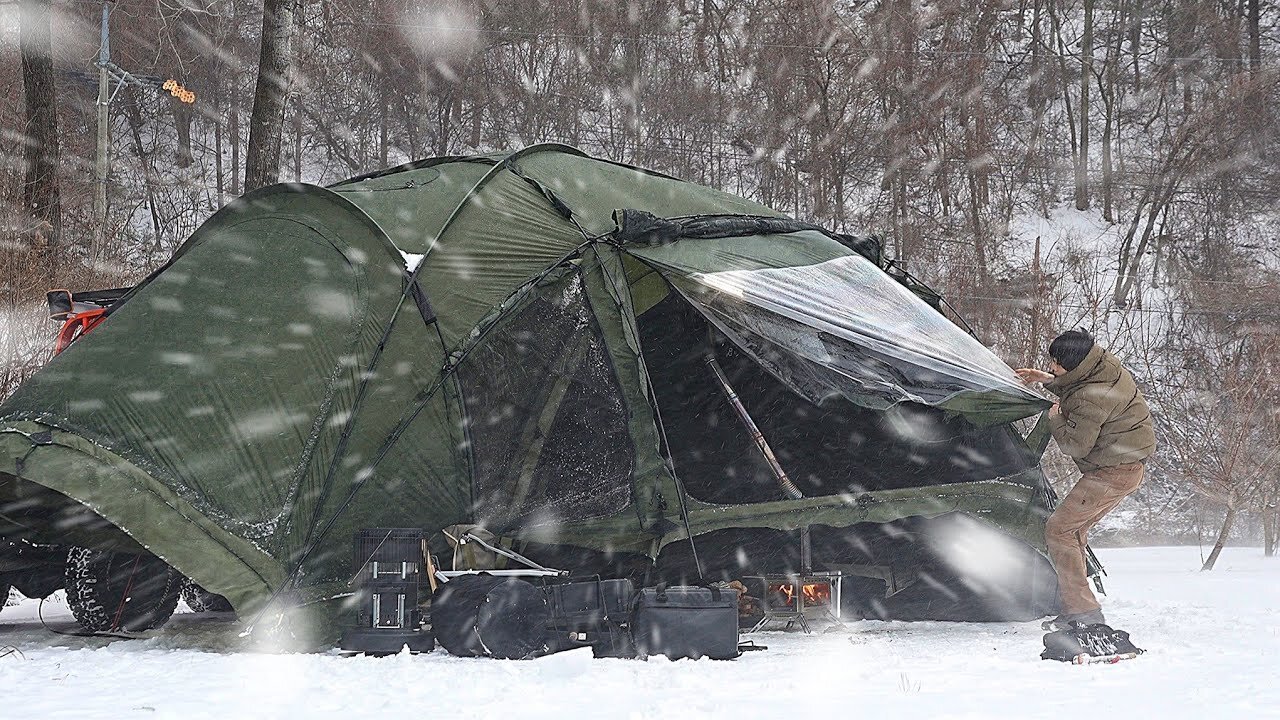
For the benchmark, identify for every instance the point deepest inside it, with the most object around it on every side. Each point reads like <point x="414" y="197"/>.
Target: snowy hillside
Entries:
<point x="1212" y="641"/>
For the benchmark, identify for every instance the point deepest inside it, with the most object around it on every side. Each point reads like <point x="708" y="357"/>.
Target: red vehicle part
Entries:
<point x="77" y="324"/>
<point x="80" y="312"/>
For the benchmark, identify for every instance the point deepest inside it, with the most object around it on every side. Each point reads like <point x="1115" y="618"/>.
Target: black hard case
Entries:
<point x="590" y="601"/>
<point x="591" y="613"/>
<point x="690" y="622"/>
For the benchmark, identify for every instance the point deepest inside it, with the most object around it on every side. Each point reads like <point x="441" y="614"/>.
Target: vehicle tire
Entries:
<point x="110" y="591"/>
<point x="201" y="600"/>
<point x="4" y="594"/>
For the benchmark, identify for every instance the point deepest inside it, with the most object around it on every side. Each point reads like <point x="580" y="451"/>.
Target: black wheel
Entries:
<point x="4" y="594"/>
<point x="117" y="591"/>
<point x="201" y="600"/>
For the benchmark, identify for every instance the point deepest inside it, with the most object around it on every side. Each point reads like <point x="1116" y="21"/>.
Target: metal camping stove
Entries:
<point x="796" y="598"/>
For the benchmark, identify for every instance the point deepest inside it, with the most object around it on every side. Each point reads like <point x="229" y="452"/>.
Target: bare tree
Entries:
<point x="266" y="121"/>
<point x="1219" y="422"/>
<point x="1086" y="77"/>
<point x="41" y="196"/>
<point x="1232" y="451"/>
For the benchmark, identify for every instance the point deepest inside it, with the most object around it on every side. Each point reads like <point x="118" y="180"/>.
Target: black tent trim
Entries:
<point x="637" y="227"/>
<point x="421" y="300"/>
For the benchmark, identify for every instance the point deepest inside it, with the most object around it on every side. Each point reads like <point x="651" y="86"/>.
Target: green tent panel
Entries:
<point x="518" y="340"/>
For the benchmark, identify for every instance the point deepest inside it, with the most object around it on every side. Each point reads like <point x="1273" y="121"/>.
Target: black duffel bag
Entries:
<point x="684" y="621"/>
<point x="485" y="615"/>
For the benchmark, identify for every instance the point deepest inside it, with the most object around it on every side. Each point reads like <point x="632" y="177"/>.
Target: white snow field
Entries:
<point x="1213" y="642"/>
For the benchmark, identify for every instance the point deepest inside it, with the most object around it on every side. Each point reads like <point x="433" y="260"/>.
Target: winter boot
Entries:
<point x="1068" y="620"/>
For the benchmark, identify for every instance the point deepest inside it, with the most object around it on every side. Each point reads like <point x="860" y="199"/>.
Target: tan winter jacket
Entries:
<point x="1103" y="419"/>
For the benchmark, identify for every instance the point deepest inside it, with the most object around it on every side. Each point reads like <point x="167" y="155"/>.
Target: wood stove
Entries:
<point x="796" y="598"/>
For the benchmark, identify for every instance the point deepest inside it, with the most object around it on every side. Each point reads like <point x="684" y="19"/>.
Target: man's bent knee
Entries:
<point x="1057" y="528"/>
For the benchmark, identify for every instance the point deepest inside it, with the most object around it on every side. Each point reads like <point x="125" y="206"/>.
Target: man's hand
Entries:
<point x="1031" y="375"/>
<point x="1055" y="410"/>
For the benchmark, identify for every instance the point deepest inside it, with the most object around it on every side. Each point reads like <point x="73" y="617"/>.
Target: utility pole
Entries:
<point x="108" y="71"/>
<point x="100" y="165"/>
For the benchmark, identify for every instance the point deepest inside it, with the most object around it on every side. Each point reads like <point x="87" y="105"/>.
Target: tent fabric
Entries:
<point x="809" y="298"/>
<point x="470" y="340"/>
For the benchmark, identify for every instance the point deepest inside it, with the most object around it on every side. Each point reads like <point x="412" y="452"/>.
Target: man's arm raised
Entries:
<point x="1031" y="375"/>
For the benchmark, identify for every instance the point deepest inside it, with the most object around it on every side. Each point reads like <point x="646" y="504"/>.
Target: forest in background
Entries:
<point x="1045" y="164"/>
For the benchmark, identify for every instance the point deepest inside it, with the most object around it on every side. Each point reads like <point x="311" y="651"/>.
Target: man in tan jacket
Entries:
<point x="1102" y="422"/>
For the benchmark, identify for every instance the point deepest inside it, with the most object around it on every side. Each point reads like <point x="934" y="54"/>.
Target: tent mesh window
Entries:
<point x="548" y="426"/>
<point x="828" y="448"/>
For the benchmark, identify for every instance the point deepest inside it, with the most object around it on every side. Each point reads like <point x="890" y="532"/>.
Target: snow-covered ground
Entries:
<point x="1213" y="642"/>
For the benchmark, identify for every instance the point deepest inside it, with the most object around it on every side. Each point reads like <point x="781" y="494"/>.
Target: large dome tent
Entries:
<point x="527" y="342"/>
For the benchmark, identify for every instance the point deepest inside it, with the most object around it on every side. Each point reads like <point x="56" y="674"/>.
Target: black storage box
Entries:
<point x="590" y="601"/>
<point x="387" y="565"/>
<point x="594" y="613"/>
<point x="690" y="622"/>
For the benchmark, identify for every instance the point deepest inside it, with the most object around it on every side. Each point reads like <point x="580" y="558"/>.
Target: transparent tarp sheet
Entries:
<point x="546" y="418"/>
<point x="880" y="343"/>
<point x="833" y="448"/>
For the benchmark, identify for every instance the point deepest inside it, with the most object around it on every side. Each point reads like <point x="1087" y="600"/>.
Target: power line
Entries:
<point x="1197" y="281"/>
<point x="866" y="51"/>
<point x="697" y="148"/>
<point x="1151" y="311"/>
<point x="652" y="37"/>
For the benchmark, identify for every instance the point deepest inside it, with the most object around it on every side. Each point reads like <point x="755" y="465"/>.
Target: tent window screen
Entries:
<point x="547" y="422"/>
<point x="828" y="447"/>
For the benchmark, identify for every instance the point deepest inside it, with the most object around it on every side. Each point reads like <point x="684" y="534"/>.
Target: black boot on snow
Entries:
<point x="1066" y="621"/>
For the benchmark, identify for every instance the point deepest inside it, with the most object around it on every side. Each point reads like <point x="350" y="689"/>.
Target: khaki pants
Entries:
<point x="1067" y="530"/>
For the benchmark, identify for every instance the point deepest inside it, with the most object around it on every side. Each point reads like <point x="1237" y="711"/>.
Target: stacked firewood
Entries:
<point x="750" y="608"/>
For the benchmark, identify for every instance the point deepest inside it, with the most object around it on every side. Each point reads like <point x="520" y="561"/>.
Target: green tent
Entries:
<point x="524" y="341"/>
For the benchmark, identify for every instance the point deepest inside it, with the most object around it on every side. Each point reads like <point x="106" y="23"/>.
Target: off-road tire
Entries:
<point x="201" y="600"/>
<point x="96" y="590"/>
<point x="4" y="594"/>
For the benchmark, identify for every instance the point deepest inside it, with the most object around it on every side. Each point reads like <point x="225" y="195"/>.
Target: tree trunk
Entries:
<point x="182" y="126"/>
<point x="1036" y="98"/>
<point x="905" y="244"/>
<point x="383" y="139"/>
<point x="1109" y="89"/>
<point x="297" y="138"/>
<point x="233" y="136"/>
<point x="1270" y="527"/>
<point x="1066" y="87"/>
<point x="1107" y="172"/>
<point x="266" y="121"/>
<point x="1086" y="73"/>
<point x="1227" y="522"/>
<point x="41" y="198"/>
<point x="1135" y="45"/>
<point x="219" y="172"/>
<point x="133" y="113"/>
<point x="1269" y="532"/>
<point x="1129" y="264"/>
<point x="1255" y="36"/>
<point x="979" y="239"/>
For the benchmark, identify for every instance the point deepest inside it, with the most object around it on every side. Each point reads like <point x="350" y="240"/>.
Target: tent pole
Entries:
<point x="806" y="550"/>
<point x="788" y="487"/>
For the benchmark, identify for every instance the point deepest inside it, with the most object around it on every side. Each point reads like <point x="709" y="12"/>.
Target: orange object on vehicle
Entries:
<point x="77" y="324"/>
<point x="79" y="312"/>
